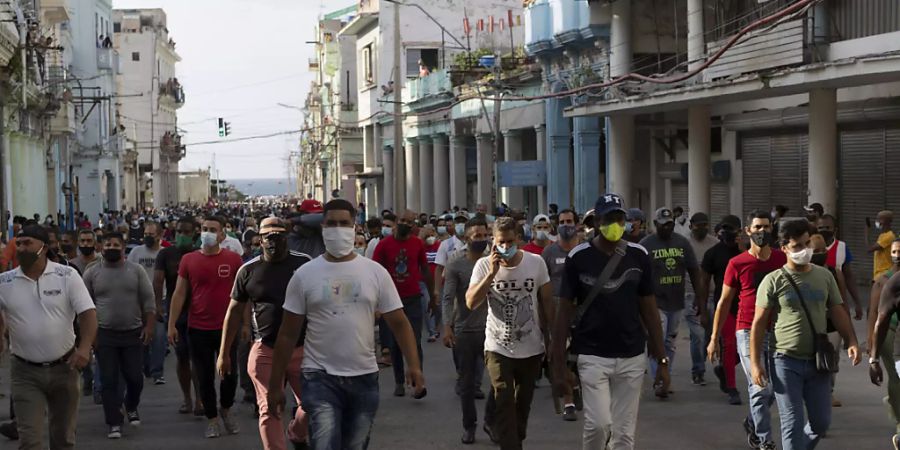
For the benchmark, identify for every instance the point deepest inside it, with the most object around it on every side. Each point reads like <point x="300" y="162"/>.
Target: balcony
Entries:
<point x="171" y="93"/>
<point x="538" y="27"/>
<point x="64" y="121"/>
<point x="106" y="58"/>
<point x="55" y="11"/>
<point x="170" y="146"/>
<point x="770" y="48"/>
<point x="428" y="91"/>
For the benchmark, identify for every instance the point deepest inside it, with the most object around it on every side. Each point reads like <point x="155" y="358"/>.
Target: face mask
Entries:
<point x="27" y="259"/>
<point x="184" y="242"/>
<point x="567" y="232"/>
<point x="360" y="251"/>
<point x="275" y="246"/>
<point x="727" y="237"/>
<point x="877" y="225"/>
<point x="149" y="241"/>
<point x="430" y="240"/>
<point x="629" y="227"/>
<point x="112" y="255"/>
<point x="612" y="232"/>
<point x="386" y="231"/>
<point x="209" y="239"/>
<point x="442" y="230"/>
<point x="403" y="230"/>
<point x="66" y="248"/>
<point x="761" y="238"/>
<point x="478" y="247"/>
<point x="542" y="235"/>
<point x="801" y="258"/>
<point x="507" y="252"/>
<point x="664" y="233"/>
<point x="827" y="235"/>
<point x="87" y="251"/>
<point x="460" y="229"/>
<point x="818" y="259"/>
<point x="553" y="238"/>
<point x="339" y="241"/>
<point x="700" y="233"/>
<point x="895" y="260"/>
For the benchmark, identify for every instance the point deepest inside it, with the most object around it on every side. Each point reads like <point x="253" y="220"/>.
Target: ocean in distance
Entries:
<point x="264" y="186"/>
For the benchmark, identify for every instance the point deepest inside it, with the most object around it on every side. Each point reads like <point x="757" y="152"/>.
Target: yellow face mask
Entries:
<point x="612" y="232"/>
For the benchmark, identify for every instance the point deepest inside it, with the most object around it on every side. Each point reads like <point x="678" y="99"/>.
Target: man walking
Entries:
<point x="209" y="276"/>
<point x="39" y="301"/>
<point x="403" y="255"/>
<point x="701" y="241"/>
<point x="337" y="295"/>
<point x="742" y="278"/>
<point x="606" y="304"/>
<point x="540" y="234"/>
<point x="881" y="248"/>
<point x="797" y="298"/>
<point x="262" y="282"/>
<point x="516" y="287"/>
<point x="886" y="295"/>
<point x="145" y="256"/>
<point x="87" y="250"/>
<point x="672" y="257"/>
<point x="126" y="315"/>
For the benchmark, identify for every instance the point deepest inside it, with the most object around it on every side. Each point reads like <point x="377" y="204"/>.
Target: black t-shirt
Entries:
<point x="167" y="261"/>
<point x="264" y="284"/>
<point x="611" y="327"/>
<point x="715" y="261"/>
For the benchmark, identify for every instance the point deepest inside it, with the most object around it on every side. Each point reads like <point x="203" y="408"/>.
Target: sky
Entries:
<point x="240" y="59"/>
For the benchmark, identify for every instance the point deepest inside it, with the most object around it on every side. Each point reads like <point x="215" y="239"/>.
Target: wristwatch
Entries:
<point x="873" y="360"/>
<point x="664" y="361"/>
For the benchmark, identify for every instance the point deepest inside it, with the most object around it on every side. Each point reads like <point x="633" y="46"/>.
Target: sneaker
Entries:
<point x="133" y="418"/>
<point x="660" y="392"/>
<point x="896" y="441"/>
<point x="750" y="429"/>
<point x="9" y="430"/>
<point x="231" y="425"/>
<point x="433" y="338"/>
<point x="399" y="390"/>
<point x="490" y="432"/>
<point x="569" y="414"/>
<point x="734" y="398"/>
<point x="698" y="380"/>
<point x="213" y="430"/>
<point x="768" y="446"/>
<point x="159" y="381"/>
<point x="115" y="432"/>
<point x="468" y="436"/>
<point x="720" y="374"/>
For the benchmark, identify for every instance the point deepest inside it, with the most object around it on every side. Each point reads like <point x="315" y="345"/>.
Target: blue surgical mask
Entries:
<point x="542" y="235"/>
<point x="629" y="227"/>
<point x="507" y="252"/>
<point x="460" y="229"/>
<point x="442" y="230"/>
<point x="386" y="231"/>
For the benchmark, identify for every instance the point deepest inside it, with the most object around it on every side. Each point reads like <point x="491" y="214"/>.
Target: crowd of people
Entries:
<point x="320" y="298"/>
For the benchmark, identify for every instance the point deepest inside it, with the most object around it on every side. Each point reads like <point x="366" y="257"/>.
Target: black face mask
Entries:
<point x="403" y="230"/>
<point x="66" y="248"/>
<point x="819" y="259"/>
<point x="762" y="238"/>
<point x="112" y="255"/>
<point x="27" y="259"/>
<point x="728" y="237"/>
<point x="700" y="233"/>
<point x="276" y="247"/>
<point x="478" y="247"/>
<point x="827" y="235"/>
<point x="664" y="233"/>
<point x="149" y="241"/>
<point x="87" y="251"/>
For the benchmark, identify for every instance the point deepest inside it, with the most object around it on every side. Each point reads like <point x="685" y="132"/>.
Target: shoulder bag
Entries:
<point x="826" y="355"/>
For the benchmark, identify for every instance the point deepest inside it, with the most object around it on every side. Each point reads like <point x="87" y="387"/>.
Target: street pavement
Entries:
<point x="693" y="418"/>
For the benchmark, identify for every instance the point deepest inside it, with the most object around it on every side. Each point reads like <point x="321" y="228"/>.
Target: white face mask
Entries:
<point x="801" y="258"/>
<point x="430" y="240"/>
<point x="339" y="241"/>
<point x="209" y="239"/>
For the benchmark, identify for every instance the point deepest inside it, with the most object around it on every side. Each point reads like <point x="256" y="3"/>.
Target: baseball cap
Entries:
<point x="663" y="216"/>
<point x="272" y="225"/>
<point x="635" y="214"/>
<point x="35" y="232"/>
<point x="731" y="221"/>
<point x="699" y="218"/>
<point x="538" y="218"/>
<point x="608" y="203"/>
<point x="815" y="207"/>
<point x="311" y="206"/>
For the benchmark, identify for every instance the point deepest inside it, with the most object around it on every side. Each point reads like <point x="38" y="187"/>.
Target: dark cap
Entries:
<point x="731" y="221"/>
<point x="635" y="214"/>
<point x="608" y="203"/>
<point x="663" y="216"/>
<point x="815" y="207"/>
<point x="699" y="219"/>
<point x="35" y="232"/>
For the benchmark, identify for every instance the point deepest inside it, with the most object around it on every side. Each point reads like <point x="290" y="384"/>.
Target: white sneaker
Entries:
<point x="115" y="432"/>
<point x="231" y="425"/>
<point x="213" y="430"/>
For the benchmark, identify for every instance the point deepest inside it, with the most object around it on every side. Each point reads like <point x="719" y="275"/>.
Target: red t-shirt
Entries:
<point x="211" y="278"/>
<point x="745" y="273"/>
<point x="431" y="254"/>
<point x="402" y="259"/>
<point x="531" y="247"/>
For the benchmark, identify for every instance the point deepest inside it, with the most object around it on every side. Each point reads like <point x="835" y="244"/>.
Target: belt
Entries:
<point x="48" y="363"/>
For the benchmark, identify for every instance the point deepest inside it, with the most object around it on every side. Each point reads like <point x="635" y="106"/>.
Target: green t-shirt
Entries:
<point x="793" y="336"/>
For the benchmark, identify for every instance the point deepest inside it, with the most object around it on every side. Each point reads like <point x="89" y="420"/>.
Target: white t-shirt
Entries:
<point x="513" y="323"/>
<point x="232" y="244"/>
<point x="370" y="247"/>
<point x="447" y="249"/>
<point x="40" y="313"/>
<point x="339" y="301"/>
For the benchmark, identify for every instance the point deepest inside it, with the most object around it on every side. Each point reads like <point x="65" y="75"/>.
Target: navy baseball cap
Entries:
<point x="608" y="203"/>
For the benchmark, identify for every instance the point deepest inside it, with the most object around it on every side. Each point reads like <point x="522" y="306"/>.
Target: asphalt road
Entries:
<point x="693" y="418"/>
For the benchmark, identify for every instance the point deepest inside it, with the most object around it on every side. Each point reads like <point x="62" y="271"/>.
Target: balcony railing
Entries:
<point x="437" y="83"/>
<point x="172" y="92"/>
<point x="170" y="145"/>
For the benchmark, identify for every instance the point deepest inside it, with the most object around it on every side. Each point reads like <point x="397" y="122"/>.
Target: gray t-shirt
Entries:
<point x="671" y="260"/>
<point x="144" y="257"/>
<point x="453" y="299"/>
<point x="122" y="294"/>
<point x="555" y="258"/>
<point x="700" y="248"/>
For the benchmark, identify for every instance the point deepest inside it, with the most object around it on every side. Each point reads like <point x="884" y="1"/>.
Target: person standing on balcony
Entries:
<point x="423" y="69"/>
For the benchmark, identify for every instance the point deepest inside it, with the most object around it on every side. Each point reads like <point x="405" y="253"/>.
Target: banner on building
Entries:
<point x="522" y="173"/>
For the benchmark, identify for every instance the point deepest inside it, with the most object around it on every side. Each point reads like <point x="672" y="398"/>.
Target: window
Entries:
<point x="368" y="65"/>
<point x="135" y="56"/>
<point x="117" y="27"/>
<point x="429" y="56"/>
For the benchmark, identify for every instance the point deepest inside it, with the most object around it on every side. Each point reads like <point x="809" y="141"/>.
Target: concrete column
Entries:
<point x="387" y="179"/>
<point x="698" y="159"/>
<point x="412" y="175"/>
<point x="485" y="149"/>
<point x="377" y="144"/>
<point x="620" y="39"/>
<point x="823" y="149"/>
<point x="369" y="147"/>
<point x="425" y="174"/>
<point x="558" y="155"/>
<point x="441" y="173"/>
<point x="587" y="161"/>
<point x="540" y="133"/>
<point x="514" y="197"/>
<point x="458" y="171"/>
<point x="696" y="42"/>
<point x="620" y="153"/>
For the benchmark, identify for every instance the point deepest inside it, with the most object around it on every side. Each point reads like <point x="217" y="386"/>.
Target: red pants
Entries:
<point x="259" y="366"/>
<point x="729" y="349"/>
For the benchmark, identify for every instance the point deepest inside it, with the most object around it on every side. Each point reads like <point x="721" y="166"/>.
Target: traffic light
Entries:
<point x="221" y="127"/>
<point x="227" y="128"/>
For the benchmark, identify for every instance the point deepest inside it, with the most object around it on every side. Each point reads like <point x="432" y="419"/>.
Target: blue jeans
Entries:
<point x="430" y="322"/>
<point x="797" y="382"/>
<point x="760" y="399"/>
<point x="698" y="337"/>
<point x="341" y="410"/>
<point x="155" y="353"/>
<point x="412" y="307"/>
<point x="671" y="320"/>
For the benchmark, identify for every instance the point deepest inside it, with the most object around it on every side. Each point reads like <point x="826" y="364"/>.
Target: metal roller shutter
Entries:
<point x="775" y="171"/>
<point x="755" y="154"/>
<point x="862" y="192"/>
<point x="679" y="194"/>
<point x="720" y="197"/>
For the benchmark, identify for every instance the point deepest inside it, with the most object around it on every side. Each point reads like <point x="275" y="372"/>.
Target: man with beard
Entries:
<point x="44" y="370"/>
<point x="839" y="258"/>
<point x="87" y="250"/>
<point x="262" y="282"/>
<point x="68" y="245"/>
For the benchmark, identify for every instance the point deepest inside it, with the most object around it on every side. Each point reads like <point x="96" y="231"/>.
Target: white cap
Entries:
<point x="539" y="218"/>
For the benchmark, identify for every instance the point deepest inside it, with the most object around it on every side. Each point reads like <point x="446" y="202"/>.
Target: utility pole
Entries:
<point x="399" y="167"/>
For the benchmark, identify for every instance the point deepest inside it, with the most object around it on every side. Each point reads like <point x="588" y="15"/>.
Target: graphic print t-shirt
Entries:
<point x="513" y="325"/>
<point x="671" y="260"/>
<point x="211" y="278"/>
<point x="402" y="259"/>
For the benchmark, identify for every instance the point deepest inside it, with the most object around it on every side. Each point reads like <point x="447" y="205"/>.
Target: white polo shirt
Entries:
<point x="40" y="314"/>
<point x="448" y="249"/>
